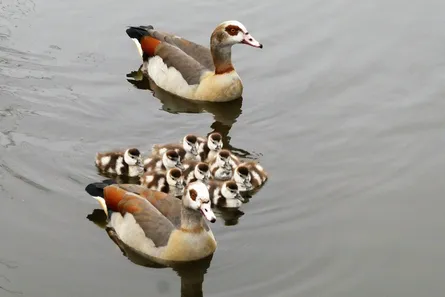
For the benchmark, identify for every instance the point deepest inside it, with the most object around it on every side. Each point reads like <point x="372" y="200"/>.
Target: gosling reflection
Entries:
<point x="190" y="273"/>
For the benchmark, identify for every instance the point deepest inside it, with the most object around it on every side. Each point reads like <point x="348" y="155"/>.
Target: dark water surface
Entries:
<point x="344" y="106"/>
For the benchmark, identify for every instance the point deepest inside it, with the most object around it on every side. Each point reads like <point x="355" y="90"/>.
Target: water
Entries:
<point x="343" y="106"/>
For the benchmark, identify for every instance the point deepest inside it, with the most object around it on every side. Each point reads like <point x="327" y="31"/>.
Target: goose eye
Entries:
<point x="232" y="30"/>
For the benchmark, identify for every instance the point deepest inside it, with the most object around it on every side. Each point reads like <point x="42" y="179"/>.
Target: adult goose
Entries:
<point x="156" y="226"/>
<point x="190" y="70"/>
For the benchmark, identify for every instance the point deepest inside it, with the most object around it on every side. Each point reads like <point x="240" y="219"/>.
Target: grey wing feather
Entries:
<point x="173" y="56"/>
<point x="155" y="226"/>
<point x="198" y="52"/>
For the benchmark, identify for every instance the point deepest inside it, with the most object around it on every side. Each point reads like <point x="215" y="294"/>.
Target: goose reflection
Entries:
<point x="190" y="273"/>
<point x="225" y="114"/>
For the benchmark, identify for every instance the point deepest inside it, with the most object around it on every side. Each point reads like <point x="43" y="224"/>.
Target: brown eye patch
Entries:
<point x="232" y="30"/>
<point x="193" y="194"/>
<point x="176" y="173"/>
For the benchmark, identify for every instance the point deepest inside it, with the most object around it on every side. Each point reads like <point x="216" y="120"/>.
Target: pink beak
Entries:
<point x="249" y="40"/>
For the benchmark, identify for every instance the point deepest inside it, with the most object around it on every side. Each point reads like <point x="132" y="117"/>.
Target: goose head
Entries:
<point x="190" y="144"/>
<point x="233" y="32"/>
<point x="242" y="177"/>
<point x="171" y="159"/>
<point x="202" y="172"/>
<point x="196" y="197"/>
<point x="230" y="190"/>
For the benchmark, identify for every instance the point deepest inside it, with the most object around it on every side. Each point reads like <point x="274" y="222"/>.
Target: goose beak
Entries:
<point x="207" y="212"/>
<point x="249" y="40"/>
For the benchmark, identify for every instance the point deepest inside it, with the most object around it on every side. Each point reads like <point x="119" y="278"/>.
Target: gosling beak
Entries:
<point x="247" y="184"/>
<point x="240" y="198"/>
<point x="194" y="151"/>
<point x="179" y="165"/>
<point x="179" y="185"/>
<point x="249" y="40"/>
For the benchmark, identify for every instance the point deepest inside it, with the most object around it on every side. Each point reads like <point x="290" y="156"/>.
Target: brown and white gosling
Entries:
<point x="187" y="150"/>
<point x="223" y="164"/>
<point x="128" y="163"/>
<point x="170" y="182"/>
<point x="249" y="176"/>
<point x="196" y="170"/>
<point x="225" y="194"/>
<point x="169" y="159"/>
<point x="208" y="147"/>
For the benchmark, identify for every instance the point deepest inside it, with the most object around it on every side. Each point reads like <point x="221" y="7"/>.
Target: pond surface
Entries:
<point x="344" y="106"/>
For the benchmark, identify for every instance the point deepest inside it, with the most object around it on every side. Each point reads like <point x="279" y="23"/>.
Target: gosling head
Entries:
<point x="242" y="177"/>
<point x="190" y="144"/>
<point x="133" y="157"/>
<point x="171" y="159"/>
<point x="202" y="172"/>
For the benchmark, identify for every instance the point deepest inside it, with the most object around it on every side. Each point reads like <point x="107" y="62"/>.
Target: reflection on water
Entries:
<point x="224" y="114"/>
<point x="191" y="273"/>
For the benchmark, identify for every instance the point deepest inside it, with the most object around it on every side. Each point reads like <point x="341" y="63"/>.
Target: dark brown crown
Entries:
<point x="191" y="138"/>
<point x="224" y="154"/>
<point x="215" y="136"/>
<point x="243" y="170"/>
<point x="172" y="155"/>
<point x="175" y="172"/>
<point x="203" y="167"/>
<point x="134" y="152"/>
<point x="232" y="185"/>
